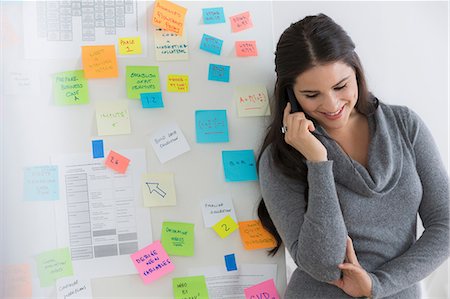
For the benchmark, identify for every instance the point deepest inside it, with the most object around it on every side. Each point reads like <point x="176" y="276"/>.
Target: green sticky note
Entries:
<point x="190" y="287"/>
<point x="177" y="238"/>
<point x="70" y="88"/>
<point x="142" y="79"/>
<point x="52" y="265"/>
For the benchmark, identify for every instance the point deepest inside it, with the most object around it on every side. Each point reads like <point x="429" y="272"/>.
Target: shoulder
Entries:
<point x="265" y="160"/>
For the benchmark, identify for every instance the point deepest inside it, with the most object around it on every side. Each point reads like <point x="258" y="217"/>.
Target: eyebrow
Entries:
<point x="311" y="91"/>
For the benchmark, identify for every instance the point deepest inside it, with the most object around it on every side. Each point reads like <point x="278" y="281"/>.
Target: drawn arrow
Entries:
<point x="154" y="187"/>
<point x="76" y="98"/>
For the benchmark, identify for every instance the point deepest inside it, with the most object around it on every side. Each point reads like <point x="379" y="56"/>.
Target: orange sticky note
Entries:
<point x="254" y="236"/>
<point x="117" y="162"/>
<point x="99" y="61"/>
<point x="246" y="48"/>
<point x="169" y="16"/>
<point x="18" y="281"/>
<point x="241" y="22"/>
<point x="225" y="226"/>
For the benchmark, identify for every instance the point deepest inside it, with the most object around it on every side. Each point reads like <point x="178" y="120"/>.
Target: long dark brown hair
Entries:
<point x="312" y="41"/>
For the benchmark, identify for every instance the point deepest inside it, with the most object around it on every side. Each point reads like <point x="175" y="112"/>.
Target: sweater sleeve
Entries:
<point x="432" y="248"/>
<point x="312" y="230"/>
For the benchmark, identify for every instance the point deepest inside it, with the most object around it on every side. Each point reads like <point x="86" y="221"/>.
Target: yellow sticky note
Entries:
<point x="112" y="118"/>
<point x="177" y="83"/>
<point x="225" y="226"/>
<point x="158" y="189"/>
<point x="252" y="100"/>
<point x="130" y="45"/>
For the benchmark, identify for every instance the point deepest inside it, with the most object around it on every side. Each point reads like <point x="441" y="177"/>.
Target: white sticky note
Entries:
<point x="169" y="142"/>
<point x="158" y="189"/>
<point x="216" y="207"/>
<point x="112" y="118"/>
<point x="73" y="287"/>
<point x="170" y="46"/>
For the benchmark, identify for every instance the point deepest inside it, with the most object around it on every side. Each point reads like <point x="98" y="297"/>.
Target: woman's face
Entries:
<point x="328" y="93"/>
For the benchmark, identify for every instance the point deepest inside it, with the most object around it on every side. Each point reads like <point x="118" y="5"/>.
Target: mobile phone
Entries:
<point x="295" y="107"/>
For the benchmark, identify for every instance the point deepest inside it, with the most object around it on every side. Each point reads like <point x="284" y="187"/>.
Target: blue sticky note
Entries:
<point x="239" y="166"/>
<point x="230" y="262"/>
<point x="97" y="149"/>
<point x="41" y="183"/>
<point x="213" y="15"/>
<point x="211" y="44"/>
<point x="218" y="72"/>
<point x="211" y="126"/>
<point x="152" y="100"/>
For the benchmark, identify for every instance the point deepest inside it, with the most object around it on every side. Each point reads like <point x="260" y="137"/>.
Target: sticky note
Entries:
<point x="225" y="226"/>
<point x="41" y="183"/>
<point x="230" y="262"/>
<point x="211" y="44"/>
<point x="178" y="238"/>
<point x="218" y="72"/>
<point x="241" y="22"/>
<point x="141" y="79"/>
<point x="265" y="289"/>
<point x="112" y="118"/>
<point x="152" y="262"/>
<point x="169" y="16"/>
<point x="211" y="126"/>
<point x="130" y="45"/>
<point x="99" y="61"/>
<point x="52" y="265"/>
<point x="214" y="15"/>
<point x="252" y="100"/>
<point x="117" y="162"/>
<point x="169" y="142"/>
<point x="70" y="88"/>
<point x="255" y="236"/>
<point x="17" y="281"/>
<point x="158" y="189"/>
<point x="177" y="83"/>
<point x="190" y="287"/>
<point x="152" y="100"/>
<point x="216" y="207"/>
<point x="170" y="46"/>
<point x="97" y="149"/>
<point x="246" y="48"/>
<point x="239" y="165"/>
<point x="73" y="287"/>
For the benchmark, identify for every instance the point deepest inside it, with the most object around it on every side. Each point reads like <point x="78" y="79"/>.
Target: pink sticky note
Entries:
<point x="246" y="48"/>
<point x="117" y="162"/>
<point x="265" y="289"/>
<point x="152" y="262"/>
<point x="241" y="22"/>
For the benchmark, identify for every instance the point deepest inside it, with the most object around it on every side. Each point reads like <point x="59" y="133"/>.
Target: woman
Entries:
<point x="345" y="176"/>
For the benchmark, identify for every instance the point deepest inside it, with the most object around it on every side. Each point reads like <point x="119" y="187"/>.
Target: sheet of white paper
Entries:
<point x="56" y="29"/>
<point x="231" y="284"/>
<point x="169" y="142"/>
<point x="214" y="208"/>
<point x="100" y="216"/>
<point x="73" y="287"/>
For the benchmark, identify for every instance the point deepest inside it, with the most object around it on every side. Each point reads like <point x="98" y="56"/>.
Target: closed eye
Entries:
<point x="311" y="96"/>
<point x="340" y="87"/>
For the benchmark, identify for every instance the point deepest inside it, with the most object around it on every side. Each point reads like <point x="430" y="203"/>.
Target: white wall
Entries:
<point x="403" y="47"/>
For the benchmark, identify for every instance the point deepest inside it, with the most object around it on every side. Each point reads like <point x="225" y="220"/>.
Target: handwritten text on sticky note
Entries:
<point x="192" y="287"/>
<point x="265" y="289"/>
<point x="241" y="22"/>
<point x="246" y="48"/>
<point x="213" y="15"/>
<point x="239" y="165"/>
<point x="177" y="83"/>
<point x="169" y="142"/>
<point x="211" y="126"/>
<point x="252" y="100"/>
<point x="178" y="238"/>
<point x="52" y="265"/>
<point x="130" y="45"/>
<point x="112" y="118"/>
<point x="169" y="16"/>
<point x="218" y="72"/>
<point x="70" y="88"/>
<point x="211" y="44"/>
<point x="225" y="226"/>
<point x="152" y="100"/>
<point x="142" y="79"/>
<point x="169" y="46"/>
<point x="254" y="236"/>
<point x="99" y="61"/>
<point x="117" y="162"/>
<point x="41" y="183"/>
<point x="152" y="262"/>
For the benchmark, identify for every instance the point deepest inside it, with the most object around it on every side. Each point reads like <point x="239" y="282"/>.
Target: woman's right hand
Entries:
<point x="298" y="135"/>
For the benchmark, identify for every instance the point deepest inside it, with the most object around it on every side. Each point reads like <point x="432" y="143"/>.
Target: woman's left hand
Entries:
<point x="355" y="281"/>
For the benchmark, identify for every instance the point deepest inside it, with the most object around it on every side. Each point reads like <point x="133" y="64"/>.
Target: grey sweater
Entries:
<point x="377" y="207"/>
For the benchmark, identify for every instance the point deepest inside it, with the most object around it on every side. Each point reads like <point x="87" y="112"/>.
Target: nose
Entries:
<point x="330" y="103"/>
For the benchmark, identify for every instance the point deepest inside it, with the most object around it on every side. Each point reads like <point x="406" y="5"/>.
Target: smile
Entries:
<point x="334" y="115"/>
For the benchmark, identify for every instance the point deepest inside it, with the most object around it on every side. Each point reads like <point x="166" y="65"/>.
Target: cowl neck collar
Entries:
<point x="385" y="157"/>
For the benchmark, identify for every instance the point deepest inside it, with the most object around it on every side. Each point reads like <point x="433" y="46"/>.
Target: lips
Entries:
<point x="334" y="115"/>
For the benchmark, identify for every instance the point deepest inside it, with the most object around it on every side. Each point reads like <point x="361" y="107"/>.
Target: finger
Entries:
<point x="287" y="111"/>
<point x="350" y="252"/>
<point x="349" y="267"/>
<point x="339" y="283"/>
